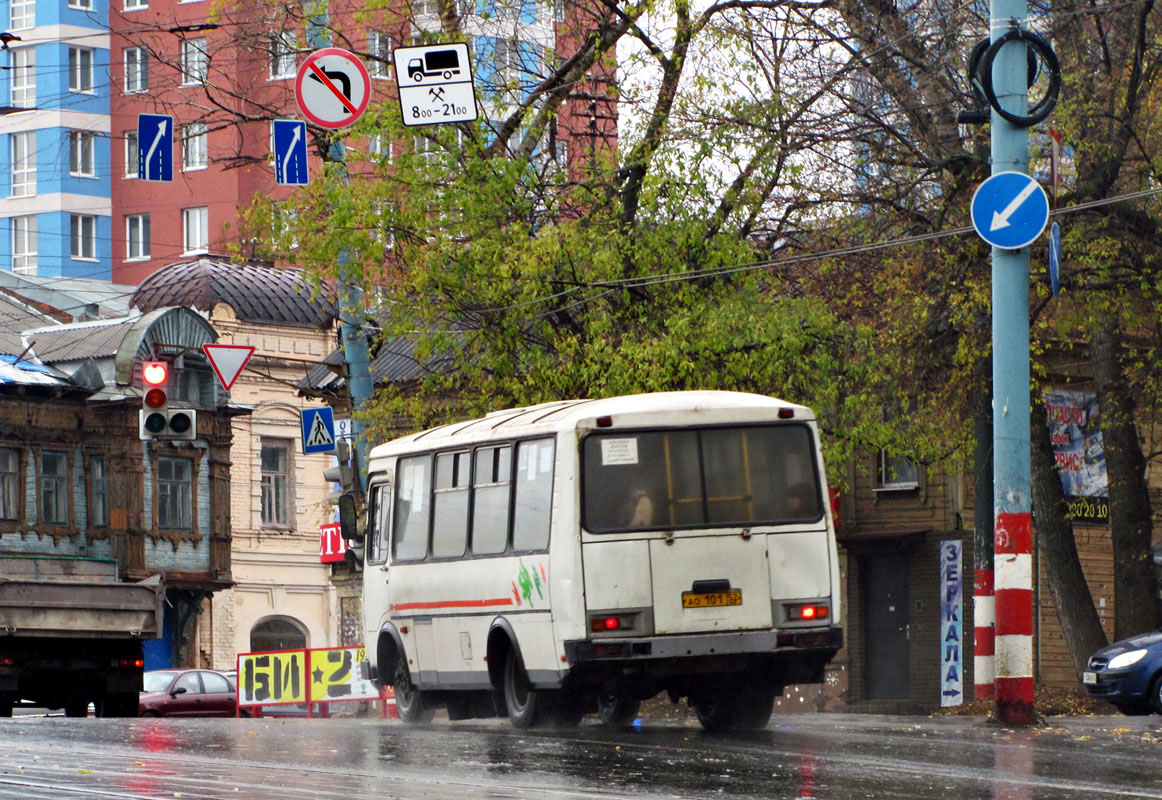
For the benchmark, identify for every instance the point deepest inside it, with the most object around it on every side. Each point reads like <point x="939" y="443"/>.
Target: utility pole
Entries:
<point x="1009" y="211"/>
<point x="1012" y="503"/>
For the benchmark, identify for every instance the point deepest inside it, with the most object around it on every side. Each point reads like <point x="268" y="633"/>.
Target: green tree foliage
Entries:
<point x="526" y="275"/>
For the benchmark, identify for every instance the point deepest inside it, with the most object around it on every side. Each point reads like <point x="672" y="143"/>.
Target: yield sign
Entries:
<point x="332" y="88"/>
<point x="227" y="361"/>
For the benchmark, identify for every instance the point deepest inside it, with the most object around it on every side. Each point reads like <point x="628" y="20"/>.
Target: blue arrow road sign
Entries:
<point x="290" y="152"/>
<point x="155" y="147"/>
<point x="318" y="430"/>
<point x="1009" y="210"/>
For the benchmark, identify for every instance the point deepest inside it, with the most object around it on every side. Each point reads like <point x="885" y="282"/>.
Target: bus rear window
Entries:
<point x="707" y="477"/>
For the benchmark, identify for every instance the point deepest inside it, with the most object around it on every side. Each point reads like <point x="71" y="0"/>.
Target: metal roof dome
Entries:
<point x="256" y="293"/>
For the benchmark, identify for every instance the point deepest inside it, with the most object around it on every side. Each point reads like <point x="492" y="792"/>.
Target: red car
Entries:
<point x="187" y="693"/>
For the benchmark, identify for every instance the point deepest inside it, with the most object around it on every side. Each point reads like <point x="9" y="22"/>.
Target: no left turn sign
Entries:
<point x="332" y="88"/>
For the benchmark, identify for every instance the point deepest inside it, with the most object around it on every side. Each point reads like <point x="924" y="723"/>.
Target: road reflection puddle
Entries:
<point x="1013" y="766"/>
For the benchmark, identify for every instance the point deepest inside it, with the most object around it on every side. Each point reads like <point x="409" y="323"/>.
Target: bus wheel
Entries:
<point x="754" y="708"/>
<point x="746" y="708"/>
<point x="409" y="701"/>
<point x="616" y="710"/>
<point x="522" y="700"/>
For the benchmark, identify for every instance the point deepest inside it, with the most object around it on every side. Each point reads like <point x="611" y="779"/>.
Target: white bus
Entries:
<point x="585" y="555"/>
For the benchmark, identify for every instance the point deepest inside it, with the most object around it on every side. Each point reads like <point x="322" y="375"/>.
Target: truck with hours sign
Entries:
<point x="433" y="64"/>
<point x="71" y="634"/>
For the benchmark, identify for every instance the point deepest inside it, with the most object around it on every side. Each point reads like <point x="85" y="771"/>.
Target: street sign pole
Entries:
<point x="353" y="335"/>
<point x="1012" y="504"/>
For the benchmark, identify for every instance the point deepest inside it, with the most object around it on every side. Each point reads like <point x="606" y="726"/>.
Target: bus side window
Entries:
<point x="490" y="495"/>
<point x="534" y="494"/>
<point x="450" y="505"/>
<point x="412" y="508"/>
<point x="380" y="521"/>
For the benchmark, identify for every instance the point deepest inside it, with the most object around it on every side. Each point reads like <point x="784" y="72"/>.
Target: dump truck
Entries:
<point x="71" y="634"/>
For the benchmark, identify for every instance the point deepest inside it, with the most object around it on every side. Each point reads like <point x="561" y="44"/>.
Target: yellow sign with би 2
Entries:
<point x="336" y="675"/>
<point x="269" y="678"/>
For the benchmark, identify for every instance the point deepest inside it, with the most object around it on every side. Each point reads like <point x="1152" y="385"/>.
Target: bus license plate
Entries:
<point x="711" y="599"/>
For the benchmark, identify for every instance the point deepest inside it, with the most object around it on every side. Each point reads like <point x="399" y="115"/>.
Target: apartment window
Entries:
<point x="80" y="69"/>
<point x="134" y="5"/>
<point x="131" y="153"/>
<point x="195" y="146"/>
<point x="23" y="230"/>
<point x="275" y="483"/>
<point x="896" y="473"/>
<point x="429" y="8"/>
<point x="9" y="483"/>
<point x="282" y="55"/>
<point x="378" y="54"/>
<point x="54" y="487"/>
<point x="136" y="70"/>
<point x="23" y="67"/>
<point x="83" y="230"/>
<point x="137" y="236"/>
<point x="81" y="144"/>
<point x="22" y="148"/>
<point x="196" y="224"/>
<point x="21" y="14"/>
<point x="195" y="62"/>
<point x="84" y="5"/>
<point x="175" y="493"/>
<point x="99" y="493"/>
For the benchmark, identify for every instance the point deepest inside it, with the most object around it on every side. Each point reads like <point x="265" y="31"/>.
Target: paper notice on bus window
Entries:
<point x="618" y="451"/>
<point x="546" y="459"/>
<point x="531" y="473"/>
<point x="412" y="481"/>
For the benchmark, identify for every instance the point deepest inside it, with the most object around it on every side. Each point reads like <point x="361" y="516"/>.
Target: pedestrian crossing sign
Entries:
<point x="318" y="430"/>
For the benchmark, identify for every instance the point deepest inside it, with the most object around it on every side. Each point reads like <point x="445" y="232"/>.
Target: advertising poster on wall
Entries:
<point x="951" y="630"/>
<point x="1075" y="433"/>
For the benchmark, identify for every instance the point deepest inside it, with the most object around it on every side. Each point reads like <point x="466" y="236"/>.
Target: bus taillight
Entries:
<point x="602" y="623"/>
<point x="806" y="612"/>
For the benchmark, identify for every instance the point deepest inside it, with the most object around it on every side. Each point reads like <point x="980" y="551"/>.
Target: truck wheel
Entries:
<point x="77" y="708"/>
<point x="118" y="704"/>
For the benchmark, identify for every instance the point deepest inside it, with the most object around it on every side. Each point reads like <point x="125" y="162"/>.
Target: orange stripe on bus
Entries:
<point x="496" y="601"/>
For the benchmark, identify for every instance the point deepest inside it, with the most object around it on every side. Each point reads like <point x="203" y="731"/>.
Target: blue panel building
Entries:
<point x="55" y="191"/>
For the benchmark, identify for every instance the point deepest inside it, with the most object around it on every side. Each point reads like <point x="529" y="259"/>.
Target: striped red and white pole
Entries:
<point x="984" y="620"/>
<point x="1013" y="567"/>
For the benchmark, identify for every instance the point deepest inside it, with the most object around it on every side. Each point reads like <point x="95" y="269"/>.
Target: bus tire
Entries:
<point x="746" y="708"/>
<point x="409" y="701"/>
<point x="755" y="706"/>
<point x="520" y="698"/>
<point x="616" y="710"/>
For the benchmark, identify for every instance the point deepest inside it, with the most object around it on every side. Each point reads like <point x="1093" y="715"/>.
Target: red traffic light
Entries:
<point x="155" y="398"/>
<point x="154" y="373"/>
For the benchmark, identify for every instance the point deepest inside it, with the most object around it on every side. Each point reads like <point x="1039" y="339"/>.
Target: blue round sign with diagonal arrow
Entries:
<point x="1010" y="210"/>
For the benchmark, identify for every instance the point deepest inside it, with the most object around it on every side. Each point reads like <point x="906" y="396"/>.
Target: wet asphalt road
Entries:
<point x="809" y="756"/>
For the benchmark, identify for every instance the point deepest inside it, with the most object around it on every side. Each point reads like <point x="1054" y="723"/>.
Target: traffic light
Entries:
<point x="344" y="484"/>
<point x="156" y="419"/>
<point x="340" y="475"/>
